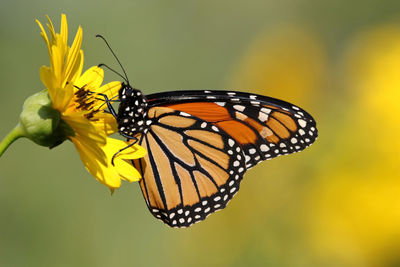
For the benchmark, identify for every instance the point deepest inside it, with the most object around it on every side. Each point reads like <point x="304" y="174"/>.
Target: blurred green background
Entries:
<point x="335" y="204"/>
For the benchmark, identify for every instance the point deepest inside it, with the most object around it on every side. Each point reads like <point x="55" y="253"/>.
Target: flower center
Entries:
<point x="86" y="101"/>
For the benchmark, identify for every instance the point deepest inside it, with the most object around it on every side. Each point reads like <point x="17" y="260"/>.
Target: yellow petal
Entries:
<point x="102" y="172"/>
<point x="127" y="171"/>
<point x="110" y="90"/>
<point x="44" y="35"/>
<point x="56" y="64"/>
<point x="132" y="152"/>
<point x="72" y="56"/>
<point x="64" y="30"/>
<point x="105" y="122"/>
<point x="47" y="79"/>
<point x="92" y="78"/>
<point x="77" y="70"/>
<point x="51" y="30"/>
<point x="62" y="97"/>
<point x="84" y="128"/>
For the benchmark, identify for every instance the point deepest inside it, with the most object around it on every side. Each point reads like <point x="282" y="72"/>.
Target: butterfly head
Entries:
<point x="132" y="110"/>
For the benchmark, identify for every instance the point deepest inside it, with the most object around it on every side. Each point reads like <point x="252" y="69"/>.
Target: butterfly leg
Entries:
<point x="122" y="149"/>
<point x="108" y="102"/>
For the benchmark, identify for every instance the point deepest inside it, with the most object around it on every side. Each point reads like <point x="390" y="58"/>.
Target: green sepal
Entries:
<point x="41" y="123"/>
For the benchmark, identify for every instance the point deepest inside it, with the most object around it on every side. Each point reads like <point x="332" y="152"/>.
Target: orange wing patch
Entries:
<point x="278" y="128"/>
<point x="150" y="186"/>
<point x="207" y="137"/>
<point x="171" y="191"/>
<point x="211" y="153"/>
<point x="240" y="132"/>
<point x="174" y="143"/>
<point x="285" y="120"/>
<point x="207" y="111"/>
<point x="176" y="121"/>
<point x="219" y="175"/>
<point x="206" y="187"/>
<point x="189" y="194"/>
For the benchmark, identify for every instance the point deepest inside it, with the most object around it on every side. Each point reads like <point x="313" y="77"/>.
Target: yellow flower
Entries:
<point x="74" y="96"/>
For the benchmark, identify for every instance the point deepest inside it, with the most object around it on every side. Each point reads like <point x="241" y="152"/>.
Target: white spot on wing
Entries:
<point x="266" y="110"/>
<point x="264" y="148"/>
<point x="302" y="123"/>
<point x="185" y="114"/>
<point x="231" y="142"/>
<point x="239" y="107"/>
<point x="262" y="116"/>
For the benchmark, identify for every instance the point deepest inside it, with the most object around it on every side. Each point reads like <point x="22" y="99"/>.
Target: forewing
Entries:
<point x="264" y="127"/>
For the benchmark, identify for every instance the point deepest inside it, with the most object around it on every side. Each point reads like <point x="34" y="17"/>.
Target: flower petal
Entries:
<point x="84" y="128"/>
<point x="51" y="30"/>
<point x="56" y="65"/>
<point x="92" y="78"/>
<point x="105" y="122"/>
<point x="132" y="152"/>
<point x="77" y="70"/>
<point x="101" y="171"/>
<point x="124" y="168"/>
<point x="72" y="57"/>
<point x="127" y="171"/>
<point x="110" y="89"/>
<point x="64" y="30"/>
<point x="61" y="97"/>
<point x="44" y="36"/>
<point x="47" y="78"/>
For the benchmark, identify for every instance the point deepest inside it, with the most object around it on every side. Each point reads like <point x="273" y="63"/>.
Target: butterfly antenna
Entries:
<point x="104" y="65"/>
<point x="115" y="56"/>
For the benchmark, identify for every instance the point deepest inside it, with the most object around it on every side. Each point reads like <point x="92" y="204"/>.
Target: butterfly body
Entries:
<point x="132" y="111"/>
<point x="200" y="144"/>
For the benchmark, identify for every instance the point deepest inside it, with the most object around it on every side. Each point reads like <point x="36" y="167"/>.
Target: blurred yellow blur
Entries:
<point x="288" y="62"/>
<point x="354" y="209"/>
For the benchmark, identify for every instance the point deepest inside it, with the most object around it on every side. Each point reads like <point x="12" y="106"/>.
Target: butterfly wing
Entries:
<point x="264" y="127"/>
<point x="192" y="168"/>
<point x="200" y="143"/>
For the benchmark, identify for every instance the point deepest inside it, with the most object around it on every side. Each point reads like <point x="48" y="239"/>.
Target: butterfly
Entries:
<point x="200" y="144"/>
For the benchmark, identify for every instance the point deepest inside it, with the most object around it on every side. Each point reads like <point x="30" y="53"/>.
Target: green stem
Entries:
<point x="16" y="133"/>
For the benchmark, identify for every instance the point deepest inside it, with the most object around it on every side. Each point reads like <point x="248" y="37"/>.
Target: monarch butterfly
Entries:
<point x="200" y="144"/>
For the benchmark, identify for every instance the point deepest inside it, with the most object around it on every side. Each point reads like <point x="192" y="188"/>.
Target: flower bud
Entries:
<point x="41" y="123"/>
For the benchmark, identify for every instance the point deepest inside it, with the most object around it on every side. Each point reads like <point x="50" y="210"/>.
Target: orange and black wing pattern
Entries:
<point x="192" y="168"/>
<point x="264" y="127"/>
<point x="200" y="144"/>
